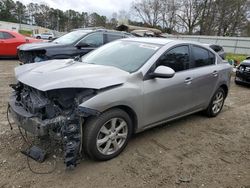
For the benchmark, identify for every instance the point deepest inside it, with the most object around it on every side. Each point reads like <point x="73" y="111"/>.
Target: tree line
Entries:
<point x="55" y="19"/>
<point x="204" y="17"/>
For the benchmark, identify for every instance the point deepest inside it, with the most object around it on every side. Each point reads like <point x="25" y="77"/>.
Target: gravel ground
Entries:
<point x="194" y="151"/>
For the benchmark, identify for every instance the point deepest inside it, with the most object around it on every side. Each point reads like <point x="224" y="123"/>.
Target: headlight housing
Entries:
<point x="241" y="68"/>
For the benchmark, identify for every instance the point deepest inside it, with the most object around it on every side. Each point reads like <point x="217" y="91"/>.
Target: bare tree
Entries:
<point x="148" y="10"/>
<point x="190" y="14"/>
<point x="232" y="16"/>
<point x="169" y="9"/>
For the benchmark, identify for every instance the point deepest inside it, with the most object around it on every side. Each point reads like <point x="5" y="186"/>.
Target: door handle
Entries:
<point x="215" y="73"/>
<point x="188" y="80"/>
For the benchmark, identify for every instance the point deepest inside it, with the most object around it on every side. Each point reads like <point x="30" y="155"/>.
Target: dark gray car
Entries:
<point x="121" y="88"/>
<point x="76" y="43"/>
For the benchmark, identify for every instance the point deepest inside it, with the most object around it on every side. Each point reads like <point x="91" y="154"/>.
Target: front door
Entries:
<point x="167" y="98"/>
<point x="8" y="44"/>
<point x="90" y="42"/>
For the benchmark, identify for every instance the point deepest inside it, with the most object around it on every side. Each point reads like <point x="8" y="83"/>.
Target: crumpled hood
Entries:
<point x="56" y="74"/>
<point x="39" y="46"/>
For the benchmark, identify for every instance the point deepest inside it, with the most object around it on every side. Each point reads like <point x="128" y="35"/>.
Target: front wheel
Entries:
<point x="216" y="103"/>
<point x="107" y="135"/>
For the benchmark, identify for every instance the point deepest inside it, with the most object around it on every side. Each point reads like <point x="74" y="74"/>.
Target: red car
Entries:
<point x="10" y="40"/>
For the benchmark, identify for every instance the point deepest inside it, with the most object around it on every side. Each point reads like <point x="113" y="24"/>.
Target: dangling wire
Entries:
<point x="25" y="138"/>
<point x="8" y="108"/>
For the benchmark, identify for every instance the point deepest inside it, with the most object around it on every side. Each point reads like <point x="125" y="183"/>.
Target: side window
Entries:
<point x="93" y="40"/>
<point x="5" y="35"/>
<point x="202" y="57"/>
<point x="211" y="58"/>
<point x="1" y="35"/>
<point x="112" y="37"/>
<point x="177" y="58"/>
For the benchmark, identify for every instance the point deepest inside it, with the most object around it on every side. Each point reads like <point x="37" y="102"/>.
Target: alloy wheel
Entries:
<point x="112" y="136"/>
<point x="218" y="102"/>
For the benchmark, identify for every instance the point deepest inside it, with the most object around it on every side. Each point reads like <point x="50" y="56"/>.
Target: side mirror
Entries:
<point x="82" y="44"/>
<point x="163" y="72"/>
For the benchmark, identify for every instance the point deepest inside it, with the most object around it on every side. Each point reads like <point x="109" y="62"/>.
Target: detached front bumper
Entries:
<point x="30" y="122"/>
<point x="242" y="77"/>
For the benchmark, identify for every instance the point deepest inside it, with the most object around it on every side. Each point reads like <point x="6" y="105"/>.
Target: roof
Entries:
<point x="6" y="30"/>
<point x="99" y="29"/>
<point x="130" y="28"/>
<point x="160" y="41"/>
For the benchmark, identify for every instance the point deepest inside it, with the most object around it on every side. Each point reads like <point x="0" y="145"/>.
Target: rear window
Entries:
<point x="202" y="57"/>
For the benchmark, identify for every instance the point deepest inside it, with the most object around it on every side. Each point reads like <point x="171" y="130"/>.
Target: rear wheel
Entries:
<point x="38" y="37"/>
<point x="216" y="103"/>
<point x="107" y="135"/>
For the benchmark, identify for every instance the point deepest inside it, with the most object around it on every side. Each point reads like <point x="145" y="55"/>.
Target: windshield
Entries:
<point x="70" y="37"/>
<point x="126" y="55"/>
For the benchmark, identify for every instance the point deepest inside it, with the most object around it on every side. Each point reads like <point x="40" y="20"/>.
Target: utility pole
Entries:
<point x="57" y="28"/>
<point x="20" y="19"/>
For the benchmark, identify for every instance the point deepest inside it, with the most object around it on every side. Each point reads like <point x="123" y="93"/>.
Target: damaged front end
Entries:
<point x="53" y="113"/>
<point x="32" y="56"/>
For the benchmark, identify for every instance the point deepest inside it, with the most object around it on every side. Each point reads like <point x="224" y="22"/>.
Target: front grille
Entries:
<point x="247" y="69"/>
<point x="32" y="100"/>
<point x="25" y="57"/>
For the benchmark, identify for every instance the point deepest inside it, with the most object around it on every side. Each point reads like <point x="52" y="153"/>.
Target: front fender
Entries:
<point x="128" y="94"/>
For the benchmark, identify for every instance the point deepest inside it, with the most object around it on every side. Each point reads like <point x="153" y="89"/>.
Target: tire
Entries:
<point x="99" y="129"/>
<point x="50" y="38"/>
<point x="38" y="37"/>
<point x="236" y="82"/>
<point x="213" y="111"/>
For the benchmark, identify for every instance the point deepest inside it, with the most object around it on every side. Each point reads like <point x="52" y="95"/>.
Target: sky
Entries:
<point x="103" y="7"/>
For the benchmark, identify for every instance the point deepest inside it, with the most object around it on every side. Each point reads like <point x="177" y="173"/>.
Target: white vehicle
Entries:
<point x="47" y="36"/>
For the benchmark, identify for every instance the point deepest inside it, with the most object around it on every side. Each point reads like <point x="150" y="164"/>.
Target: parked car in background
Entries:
<point x="243" y="73"/>
<point x="45" y="36"/>
<point x="75" y="43"/>
<point x="218" y="49"/>
<point x="10" y="40"/>
<point x="121" y="88"/>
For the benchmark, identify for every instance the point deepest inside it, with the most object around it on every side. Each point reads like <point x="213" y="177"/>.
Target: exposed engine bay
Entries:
<point x="54" y="113"/>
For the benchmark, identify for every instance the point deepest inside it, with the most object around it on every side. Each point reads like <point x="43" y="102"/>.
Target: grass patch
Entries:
<point x="237" y="57"/>
<point x="25" y="32"/>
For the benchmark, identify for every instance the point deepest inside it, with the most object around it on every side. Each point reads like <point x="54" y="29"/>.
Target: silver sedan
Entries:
<point x="119" y="89"/>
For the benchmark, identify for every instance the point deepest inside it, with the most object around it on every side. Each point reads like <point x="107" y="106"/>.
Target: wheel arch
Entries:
<point x="131" y="114"/>
<point x="225" y="88"/>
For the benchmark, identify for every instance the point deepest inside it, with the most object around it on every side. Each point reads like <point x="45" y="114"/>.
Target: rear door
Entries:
<point x="205" y="74"/>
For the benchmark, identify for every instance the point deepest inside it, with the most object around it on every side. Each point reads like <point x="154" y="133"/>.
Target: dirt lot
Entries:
<point x="192" y="152"/>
